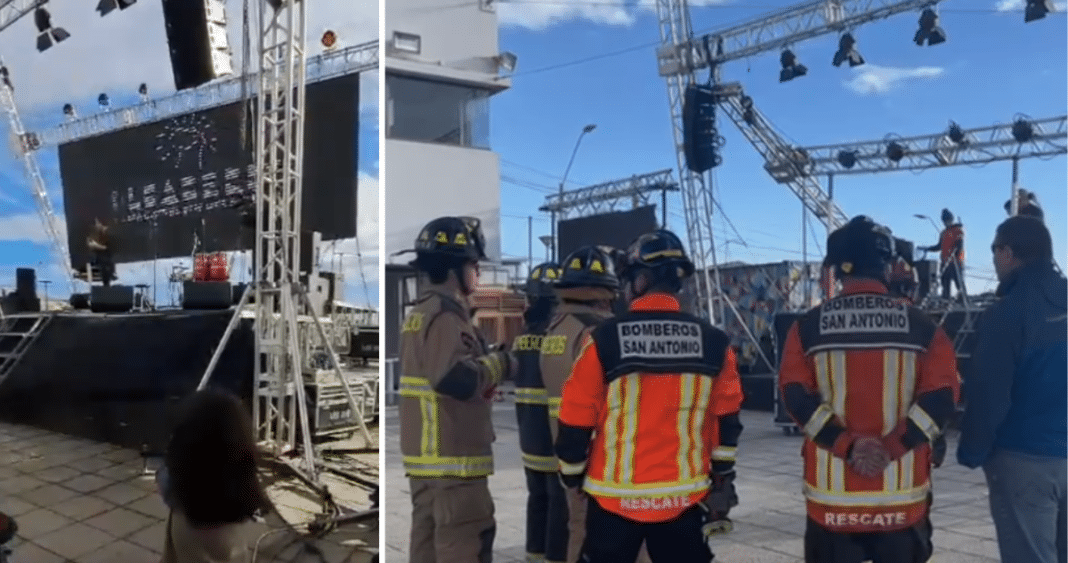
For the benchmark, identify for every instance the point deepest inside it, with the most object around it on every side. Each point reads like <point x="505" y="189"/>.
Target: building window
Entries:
<point x="437" y="112"/>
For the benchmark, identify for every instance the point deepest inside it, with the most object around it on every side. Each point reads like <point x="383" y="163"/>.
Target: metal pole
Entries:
<point x="586" y="129"/>
<point x="1014" y="207"/>
<point x="530" y="241"/>
<point x="550" y="248"/>
<point x="663" y="209"/>
<point x="226" y="338"/>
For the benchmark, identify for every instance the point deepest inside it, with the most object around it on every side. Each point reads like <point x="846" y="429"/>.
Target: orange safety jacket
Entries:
<point x="867" y="364"/>
<point x="951" y="242"/>
<point x="650" y="408"/>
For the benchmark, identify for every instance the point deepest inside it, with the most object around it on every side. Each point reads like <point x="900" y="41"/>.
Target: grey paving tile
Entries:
<point x="37" y="523"/>
<point x="30" y="553"/>
<point x="48" y="495"/>
<point x="57" y="474"/>
<point x="121" y="493"/>
<point x="120" y="522"/>
<point x="95" y="463"/>
<point x="14" y="506"/>
<point x="120" y="552"/>
<point x="74" y="540"/>
<point x="18" y="484"/>
<point x="119" y="472"/>
<point x="150" y="537"/>
<point x="81" y="507"/>
<point x="88" y="483"/>
<point x="151" y="505"/>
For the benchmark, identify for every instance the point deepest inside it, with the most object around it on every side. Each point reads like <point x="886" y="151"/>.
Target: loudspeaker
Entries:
<point x="927" y="272"/>
<point x="111" y="299"/>
<point x="207" y="295"/>
<point x="196" y="34"/>
<point x="701" y="140"/>
<point x="26" y="282"/>
<point x="79" y="301"/>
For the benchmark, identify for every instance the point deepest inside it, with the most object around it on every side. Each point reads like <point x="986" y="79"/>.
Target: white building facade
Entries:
<point x="442" y="66"/>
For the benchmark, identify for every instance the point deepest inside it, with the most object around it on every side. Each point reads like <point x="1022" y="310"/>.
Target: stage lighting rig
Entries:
<point x="895" y="151"/>
<point x="956" y="134"/>
<point x="848" y="159"/>
<point x="1037" y="9"/>
<point x="1022" y="130"/>
<point x="930" y="32"/>
<point x="46" y="34"/>
<point x="143" y="91"/>
<point x="791" y="69"/>
<point x="329" y="39"/>
<point x="105" y="7"/>
<point x="104" y="101"/>
<point x="5" y="76"/>
<point x="847" y="51"/>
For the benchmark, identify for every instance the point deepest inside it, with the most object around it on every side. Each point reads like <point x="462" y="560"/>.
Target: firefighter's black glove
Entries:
<point x="938" y="451"/>
<point x="713" y="523"/>
<point x="722" y="497"/>
<point x="572" y="481"/>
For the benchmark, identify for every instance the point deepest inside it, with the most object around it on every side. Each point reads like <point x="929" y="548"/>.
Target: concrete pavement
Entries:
<point x="769" y="522"/>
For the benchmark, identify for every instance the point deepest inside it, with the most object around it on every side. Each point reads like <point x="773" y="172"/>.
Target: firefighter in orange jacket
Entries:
<point x="649" y="421"/>
<point x="951" y="253"/>
<point x="447" y="384"/>
<point x="546" y="505"/>
<point x="872" y="382"/>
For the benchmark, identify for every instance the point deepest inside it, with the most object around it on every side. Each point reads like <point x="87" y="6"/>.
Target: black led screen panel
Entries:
<point x="617" y="229"/>
<point x="167" y="186"/>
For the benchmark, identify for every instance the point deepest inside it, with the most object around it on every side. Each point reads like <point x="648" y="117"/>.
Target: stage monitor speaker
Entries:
<point x="111" y="299"/>
<point x="79" y="301"/>
<point x="207" y="295"/>
<point x="927" y="272"/>
<point x="196" y="34"/>
<point x="26" y="282"/>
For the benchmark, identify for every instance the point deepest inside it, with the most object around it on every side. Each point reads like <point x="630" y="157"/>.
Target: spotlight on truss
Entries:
<point x="848" y="159"/>
<point x="329" y="39"/>
<point x="791" y="69"/>
<point x="895" y="151"/>
<point x="68" y="110"/>
<point x="103" y="100"/>
<point x="143" y="91"/>
<point x="930" y="32"/>
<point x="105" y="7"/>
<point x="847" y="51"/>
<point x="1037" y="9"/>
<point x="46" y="34"/>
<point x="956" y="134"/>
<point x="1022" y="130"/>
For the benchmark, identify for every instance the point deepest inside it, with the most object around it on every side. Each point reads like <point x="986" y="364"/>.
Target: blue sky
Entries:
<point x="128" y="48"/>
<point x="594" y="62"/>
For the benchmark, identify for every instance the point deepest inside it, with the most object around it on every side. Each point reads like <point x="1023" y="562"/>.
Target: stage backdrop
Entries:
<point x="167" y="185"/>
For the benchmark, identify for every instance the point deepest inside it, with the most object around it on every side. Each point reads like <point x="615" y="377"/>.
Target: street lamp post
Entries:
<point x="587" y="129"/>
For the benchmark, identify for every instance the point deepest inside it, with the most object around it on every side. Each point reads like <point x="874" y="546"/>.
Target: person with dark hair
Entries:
<point x="210" y="481"/>
<point x="872" y="383"/>
<point x="546" y="520"/>
<point x="99" y="243"/>
<point x="951" y="253"/>
<point x="1026" y="205"/>
<point x="1014" y="424"/>
<point x="649" y="420"/>
<point x="450" y="379"/>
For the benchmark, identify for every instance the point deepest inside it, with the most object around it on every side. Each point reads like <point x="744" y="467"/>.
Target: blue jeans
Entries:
<point x="1028" y="503"/>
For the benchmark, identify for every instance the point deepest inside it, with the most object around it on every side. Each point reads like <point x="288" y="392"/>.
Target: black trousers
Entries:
<point x="611" y="538"/>
<point x="911" y="545"/>
<point x="950" y="277"/>
<point x="546" y="516"/>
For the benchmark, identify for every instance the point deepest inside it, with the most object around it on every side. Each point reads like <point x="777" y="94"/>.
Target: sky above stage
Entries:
<point x="116" y="53"/>
<point x="593" y="62"/>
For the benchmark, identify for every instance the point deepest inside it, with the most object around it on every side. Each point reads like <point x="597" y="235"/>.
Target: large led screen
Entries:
<point x="617" y="229"/>
<point x="169" y="188"/>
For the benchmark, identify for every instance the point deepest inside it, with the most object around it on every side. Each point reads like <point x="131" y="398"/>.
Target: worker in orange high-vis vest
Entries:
<point x="649" y="420"/>
<point x="872" y="382"/>
<point x="951" y="254"/>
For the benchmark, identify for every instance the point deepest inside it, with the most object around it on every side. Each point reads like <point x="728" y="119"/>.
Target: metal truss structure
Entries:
<point x="341" y="62"/>
<point x="12" y="11"/>
<point x="604" y="197"/>
<point x="24" y="151"/>
<point x="776" y="31"/>
<point x="1041" y="138"/>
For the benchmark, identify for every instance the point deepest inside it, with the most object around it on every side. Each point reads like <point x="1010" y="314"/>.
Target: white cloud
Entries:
<point x="1015" y="5"/>
<point x="126" y="48"/>
<point x="541" y="15"/>
<point x="874" y="79"/>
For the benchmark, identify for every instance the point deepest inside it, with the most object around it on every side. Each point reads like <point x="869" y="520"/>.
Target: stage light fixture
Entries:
<point x="930" y="32"/>
<point x="46" y="34"/>
<point x="68" y="110"/>
<point x="848" y="159"/>
<point x="895" y="151"/>
<point x="105" y="7"/>
<point x="1022" y="130"/>
<point x="143" y="91"/>
<point x="791" y="69"/>
<point x="956" y="134"/>
<point x="748" y="112"/>
<point x="847" y="51"/>
<point x="103" y="100"/>
<point x="5" y="76"/>
<point x="1037" y="9"/>
<point x="329" y="39"/>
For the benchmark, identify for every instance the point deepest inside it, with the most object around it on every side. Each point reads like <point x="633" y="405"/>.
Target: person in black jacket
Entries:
<point x="546" y="504"/>
<point x="1026" y="205"/>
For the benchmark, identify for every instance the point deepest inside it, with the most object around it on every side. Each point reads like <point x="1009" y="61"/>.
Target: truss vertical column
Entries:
<point x="675" y="33"/>
<point x="279" y="150"/>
